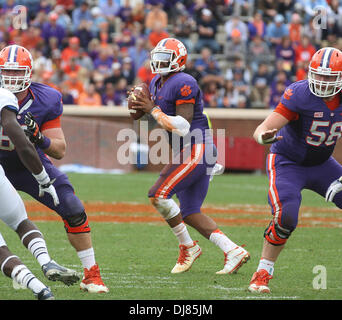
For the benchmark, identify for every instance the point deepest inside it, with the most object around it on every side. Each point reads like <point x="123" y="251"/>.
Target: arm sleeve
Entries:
<point x="287" y="113"/>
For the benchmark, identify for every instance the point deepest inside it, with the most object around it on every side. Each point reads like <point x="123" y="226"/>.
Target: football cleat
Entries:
<point x="17" y="286"/>
<point x="92" y="281"/>
<point x="187" y="256"/>
<point x="45" y="294"/>
<point x="54" y="272"/>
<point x="233" y="260"/>
<point x="259" y="282"/>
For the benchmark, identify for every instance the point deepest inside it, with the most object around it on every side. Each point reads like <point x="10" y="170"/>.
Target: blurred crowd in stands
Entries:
<point x="242" y="52"/>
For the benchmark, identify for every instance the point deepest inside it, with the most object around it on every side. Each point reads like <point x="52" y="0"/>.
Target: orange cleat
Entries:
<point x="259" y="282"/>
<point x="92" y="281"/>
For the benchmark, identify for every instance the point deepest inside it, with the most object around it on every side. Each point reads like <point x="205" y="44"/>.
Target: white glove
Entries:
<point x="217" y="170"/>
<point x="335" y="187"/>
<point x="46" y="185"/>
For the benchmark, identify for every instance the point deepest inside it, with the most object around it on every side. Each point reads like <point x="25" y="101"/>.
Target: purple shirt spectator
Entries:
<point x="52" y="29"/>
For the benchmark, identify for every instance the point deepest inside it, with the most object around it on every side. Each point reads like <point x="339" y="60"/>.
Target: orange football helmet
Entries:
<point x="169" y="55"/>
<point x="325" y="72"/>
<point x="16" y="65"/>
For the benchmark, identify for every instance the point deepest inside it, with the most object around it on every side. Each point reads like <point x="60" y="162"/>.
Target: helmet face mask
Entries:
<point x="325" y="81"/>
<point x="15" y="68"/>
<point x="16" y="81"/>
<point x="168" y="56"/>
<point x="324" y="84"/>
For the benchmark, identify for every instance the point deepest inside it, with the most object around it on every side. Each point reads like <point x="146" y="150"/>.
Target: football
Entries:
<point x="140" y="89"/>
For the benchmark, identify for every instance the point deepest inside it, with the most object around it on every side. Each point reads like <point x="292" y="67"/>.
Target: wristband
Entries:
<point x="43" y="177"/>
<point x="267" y="141"/>
<point x="154" y="110"/>
<point x="45" y="143"/>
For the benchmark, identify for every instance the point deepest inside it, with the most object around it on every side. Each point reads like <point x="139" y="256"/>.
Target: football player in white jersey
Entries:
<point x="13" y="213"/>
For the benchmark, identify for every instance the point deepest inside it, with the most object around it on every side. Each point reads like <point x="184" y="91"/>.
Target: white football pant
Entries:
<point x="12" y="209"/>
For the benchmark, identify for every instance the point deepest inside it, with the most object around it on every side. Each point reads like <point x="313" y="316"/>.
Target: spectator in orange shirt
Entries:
<point x="89" y="97"/>
<point x="156" y="14"/>
<point x="144" y="73"/>
<point x="46" y="79"/>
<point x="295" y="29"/>
<point x="31" y="38"/>
<point x="72" y="66"/>
<point x="74" y="85"/>
<point x="302" y="70"/>
<point x="305" y="50"/>
<point x="158" y="33"/>
<point x="72" y="50"/>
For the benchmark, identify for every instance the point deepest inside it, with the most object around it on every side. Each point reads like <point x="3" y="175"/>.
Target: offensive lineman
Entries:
<point x="13" y="213"/>
<point x="303" y="130"/>
<point x="40" y="109"/>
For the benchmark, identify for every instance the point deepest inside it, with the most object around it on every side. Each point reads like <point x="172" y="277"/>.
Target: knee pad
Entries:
<point x="276" y="235"/>
<point x="168" y="208"/>
<point x="77" y="223"/>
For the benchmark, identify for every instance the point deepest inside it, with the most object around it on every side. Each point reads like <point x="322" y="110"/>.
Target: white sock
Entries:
<point x="37" y="247"/>
<point x="87" y="258"/>
<point x="266" y="265"/>
<point x="222" y="241"/>
<point x="24" y="276"/>
<point x="182" y="234"/>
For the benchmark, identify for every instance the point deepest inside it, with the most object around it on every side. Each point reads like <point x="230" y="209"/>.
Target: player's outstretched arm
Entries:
<point x="266" y="132"/>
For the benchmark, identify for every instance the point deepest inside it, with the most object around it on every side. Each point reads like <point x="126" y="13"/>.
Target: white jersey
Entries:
<point x="8" y="100"/>
<point x="12" y="209"/>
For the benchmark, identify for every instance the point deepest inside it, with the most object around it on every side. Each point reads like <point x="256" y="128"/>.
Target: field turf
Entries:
<point x="136" y="258"/>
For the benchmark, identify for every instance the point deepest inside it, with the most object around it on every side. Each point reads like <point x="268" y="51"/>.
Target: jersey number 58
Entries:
<point x="319" y="136"/>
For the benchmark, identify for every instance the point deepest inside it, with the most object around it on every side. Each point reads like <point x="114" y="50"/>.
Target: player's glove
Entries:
<point x="33" y="132"/>
<point x="335" y="187"/>
<point x="46" y="185"/>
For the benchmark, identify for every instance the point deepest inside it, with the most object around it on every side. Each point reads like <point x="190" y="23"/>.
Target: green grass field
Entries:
<point x="136" y="258"/>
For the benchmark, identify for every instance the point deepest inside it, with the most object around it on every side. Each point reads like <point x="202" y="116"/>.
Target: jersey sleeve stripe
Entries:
<point x="287" y="113"/>
<point x="52" y="124"/>
<point x="12" y="108"/>
<point x="179" y="102"/>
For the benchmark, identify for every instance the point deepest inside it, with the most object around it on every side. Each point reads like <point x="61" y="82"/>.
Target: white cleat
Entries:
<point x="17" y="285"/>
<point x="233" y="260"/>
<point x="187" y="256"/>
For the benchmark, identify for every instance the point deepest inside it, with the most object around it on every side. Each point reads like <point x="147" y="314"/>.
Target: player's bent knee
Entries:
<point x="277" y="235"/>
<point x="168" y="208"/>
<point x="77" y="223"/>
